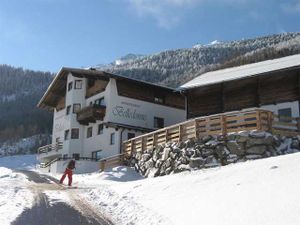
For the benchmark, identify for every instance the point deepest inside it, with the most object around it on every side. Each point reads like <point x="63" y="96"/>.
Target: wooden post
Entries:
<point x="258" y="120"/>
<point x="224" y="125"/>
<point x="166" y="136"/>
<point x="196" y="128"/>
<point x="102" y="165"/>
<point x="132" y="147"/>
<point x="271" y="118"/>
<point x="180" y="131"/>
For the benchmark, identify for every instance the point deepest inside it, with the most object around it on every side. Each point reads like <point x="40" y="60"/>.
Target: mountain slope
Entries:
<point x="20" y="90"/>
<point x="175" y="67"/>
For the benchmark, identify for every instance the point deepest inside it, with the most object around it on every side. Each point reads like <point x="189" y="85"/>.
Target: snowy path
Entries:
<point x="56" y="205"/>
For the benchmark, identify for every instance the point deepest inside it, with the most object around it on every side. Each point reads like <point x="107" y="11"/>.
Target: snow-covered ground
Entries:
<point x="14" y="196"/>
<point x="265" y="191"/>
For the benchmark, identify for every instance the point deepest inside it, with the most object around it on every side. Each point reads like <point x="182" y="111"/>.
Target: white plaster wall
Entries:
<point x="293" y="105"/>
<point x="146" y="111"/>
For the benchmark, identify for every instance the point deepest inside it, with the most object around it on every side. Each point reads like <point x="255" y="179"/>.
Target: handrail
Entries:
<point x="51" y="147"/>
<point x="222" y="123"/>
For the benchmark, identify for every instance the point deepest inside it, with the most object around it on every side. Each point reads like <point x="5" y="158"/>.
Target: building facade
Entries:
<point x="95" y="111"/>
<point x="272" y="85"/>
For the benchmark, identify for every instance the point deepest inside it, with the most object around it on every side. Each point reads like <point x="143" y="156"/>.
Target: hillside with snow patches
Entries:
<point x="256" y="192"/>
<point x="175" y="67"/>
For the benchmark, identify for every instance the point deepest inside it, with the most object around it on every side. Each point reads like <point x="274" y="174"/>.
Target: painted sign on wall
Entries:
<point x="126" y="110"/>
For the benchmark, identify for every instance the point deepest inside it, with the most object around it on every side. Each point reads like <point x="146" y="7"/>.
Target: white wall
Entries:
<point x="275" y="107"/>
<point x="82" y="166"/>
<point x="139" y="113"/>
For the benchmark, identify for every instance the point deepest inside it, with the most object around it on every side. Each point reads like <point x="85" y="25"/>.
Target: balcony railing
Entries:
<point x="91" y="114"/>
<point x="50" y="148"/>
<point x="257" y="119"/>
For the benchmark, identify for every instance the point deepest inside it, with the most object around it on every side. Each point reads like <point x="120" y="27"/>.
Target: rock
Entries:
<point x="182" y="168"/>
<point x="173" y="155"/>
<point x="196" y="162"/>
<point x="168" y="163"/>
<point x="165" y="153"/>
<point x="146" y="157"/>
<point x="256" y="150"/>
<point x="295" y="144"/>
<point x="235" y="148"/>
<point x="231" y="136"/>
<point x="184" y="160"/>
<point x="189" y="143"/>
<point x="206" y="138"/>
<point x="205" y="152"/>
<point x="158" y="163"/>
<point x="242" y="136"/>
<point x="257" y="134"/>
<point x="153" y="172"/>
<point x="220" y="151"/>
<point x="168" y="170"/>
<point x="155" y="156"/>
<point x="138" y="156"/>
<point x="211" y="144"/>
<point x="253" y="157"/>
<point x="149" y="164"/>
<point x="211" y="162"/>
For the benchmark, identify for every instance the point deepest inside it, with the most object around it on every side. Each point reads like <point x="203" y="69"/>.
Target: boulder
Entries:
<point x="149" y="164"/>
<point x="295" y="144"/>
<point x="196" y="162"/>
<point x="153" y="172"/>
<point x="182" y="168"/>
<point x="235" y="148"/>
<point x="256" y="150"/>
<point x="257" y="134"/>
<point x="205" y="152"/>
<point x="165" y="153"/>
<point x="146" y="157"/>
<point x="206" y="138"/>
<point x="158" y="163"/>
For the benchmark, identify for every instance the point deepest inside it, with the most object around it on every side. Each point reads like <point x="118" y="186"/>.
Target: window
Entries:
<point x="70" y="86"/>
<point x="67" y="132"/>
<point x="57" y="139"/>
<point x="76" y="156"/>
<point x="75" y="133"/>
<point x="89" y="132"/>
<point x="65" y="156"/>
<point x="130" y="135"/>
<point x="78" y="84"/>
<point x="100" y="129"/>
<point x="68" y="110"/>
<point x="96" y="155"/>
<point x="76" y="108"/>
<point x="285" y="114"/>
<point x="100" y="101"/>
<point x="112" y="138"/>
<point x="159" y="99"/>
<point x="158" y="122"/>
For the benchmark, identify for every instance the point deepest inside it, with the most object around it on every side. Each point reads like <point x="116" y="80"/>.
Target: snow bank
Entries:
<point x="263" y="191"/>
<point x="25" y="162"/>
<point x="14" y="196"/>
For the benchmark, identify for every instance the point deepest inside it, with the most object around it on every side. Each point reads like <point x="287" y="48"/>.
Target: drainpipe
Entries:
<point x="186" y="103"/>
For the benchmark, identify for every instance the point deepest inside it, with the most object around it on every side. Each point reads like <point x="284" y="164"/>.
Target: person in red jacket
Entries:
<point x="69" y="172"/>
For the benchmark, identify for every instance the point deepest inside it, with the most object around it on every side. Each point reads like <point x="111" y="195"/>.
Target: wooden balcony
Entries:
<point x="91" y="114"/>
<point x="218" y="124"/>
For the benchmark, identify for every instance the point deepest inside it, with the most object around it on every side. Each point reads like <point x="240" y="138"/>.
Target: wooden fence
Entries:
<point x="111" y="161"/>
<point x="257" y="119"/>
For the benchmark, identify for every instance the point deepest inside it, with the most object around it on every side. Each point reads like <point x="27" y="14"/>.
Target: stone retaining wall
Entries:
<point x="211" y="151"/>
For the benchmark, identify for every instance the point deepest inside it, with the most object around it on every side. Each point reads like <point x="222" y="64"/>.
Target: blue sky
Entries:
<point x="48" y="34"/>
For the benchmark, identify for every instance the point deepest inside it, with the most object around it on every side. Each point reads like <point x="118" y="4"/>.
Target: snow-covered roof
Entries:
<point x="244" y="71"/>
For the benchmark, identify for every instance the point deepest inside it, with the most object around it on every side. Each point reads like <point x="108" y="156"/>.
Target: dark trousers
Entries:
<point x="69" y="173"/>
